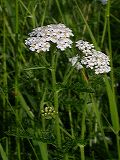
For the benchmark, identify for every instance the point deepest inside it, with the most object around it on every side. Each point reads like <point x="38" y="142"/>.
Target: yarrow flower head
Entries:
<point x="41" y="37"/>
<point x="93" y="59"/>
<point x="97" y="61"/>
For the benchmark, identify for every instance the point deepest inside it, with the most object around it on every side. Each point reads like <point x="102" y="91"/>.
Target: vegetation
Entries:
<point x="49" y="109"/>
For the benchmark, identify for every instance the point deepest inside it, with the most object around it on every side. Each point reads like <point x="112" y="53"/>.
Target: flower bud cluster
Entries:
<point x="41" y="37"/>
<point x="48" y="112"/>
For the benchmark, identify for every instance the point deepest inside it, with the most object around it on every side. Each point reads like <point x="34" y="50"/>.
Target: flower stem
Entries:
<point x="118" y="145"/>
<point x="53" y="72"/>
<point x="82" y="151"/>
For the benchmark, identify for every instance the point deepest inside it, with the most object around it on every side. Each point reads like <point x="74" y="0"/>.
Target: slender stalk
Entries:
<point x="16" y="55"/>
<point x="113" y="112"/>
<point x="88" y="10"/>
<point x="44" y="13"/>
<point x="67" y="76"/>
<point x="42" y="146"/>
<point x="59" y="9"/>
<point x="97" y="113"/>
<point x="4" y="63"/>
<point x="118" y="145"/>
<point x="83" y="128"/>
<point x="5" y="83"/>
<point x="82" y="151"/>
<point x="53" y="72"/>
<point x="113" y="106"/>
<point x="16" y="75"/>
<point x="104" y="29"/>
<point x="43" y="149"/>
<point x="110" y="45"/>
<point x="71" y="122"/>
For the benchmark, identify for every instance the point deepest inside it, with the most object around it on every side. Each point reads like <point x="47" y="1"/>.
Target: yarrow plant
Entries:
<point x="91" y="58"/>
<point x="41" y="37"/>
<point x="40" y="40"/>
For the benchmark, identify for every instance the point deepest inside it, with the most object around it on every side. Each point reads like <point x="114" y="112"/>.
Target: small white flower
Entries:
<point x="63" y="43"/>
<point x="41" y="37"/>
<point x="37" y="44"/>
<point x="84" y="46"/>
<point x="75" y="62"/>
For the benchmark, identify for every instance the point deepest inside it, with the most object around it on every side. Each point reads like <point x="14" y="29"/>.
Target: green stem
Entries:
<point x="16" y="76"/>
<point x="104" y="29"/>
<point x="67" y="76"/>
<point x="82" y="151"/>
<point x="4" y="63"/>
<point x="59" y="9"/>
<point x="71" y="122"/>
<point x="118" y="145"/>
<point x="42" y="146"/>
<point x="113" y="112"/>
<point x="5" y="83"/>
<point x="97" y="113"/>
<point x="53" y="72"/>
<point x="110" y="45"/>
<point x="114" y="115"/>
<point x="66" y="157"/>
<point x="83" y="127"/>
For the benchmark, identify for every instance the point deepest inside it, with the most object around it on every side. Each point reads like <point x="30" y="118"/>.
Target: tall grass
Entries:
<point x="86" y="123"/>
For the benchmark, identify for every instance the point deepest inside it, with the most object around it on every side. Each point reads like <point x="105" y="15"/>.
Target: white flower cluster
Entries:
<point x="41" y="37"/>
<point x="75" y="62"/>
<point x="91" y="58"/>
<point x="98" y="61"/>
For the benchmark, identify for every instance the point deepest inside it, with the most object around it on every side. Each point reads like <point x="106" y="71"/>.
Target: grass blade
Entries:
<point x="3" y="154"/>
